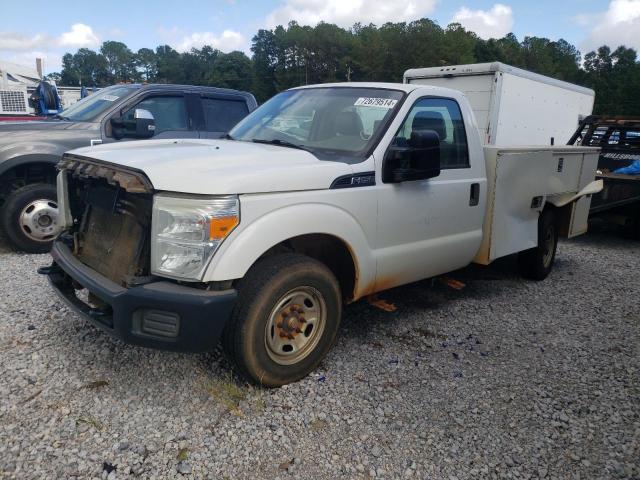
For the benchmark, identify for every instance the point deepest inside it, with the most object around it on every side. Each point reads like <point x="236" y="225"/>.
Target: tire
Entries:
<point x="536" y="263"/>
<point x="30" y="216"/>
<point x="253" y="339"/>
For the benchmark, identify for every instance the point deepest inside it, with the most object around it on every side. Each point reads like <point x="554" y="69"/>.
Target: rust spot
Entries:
<point x="379" y="285"/>
<point x="128" y="180"/>
<point x="451" y="282"/>
<point x="380" y="303"/>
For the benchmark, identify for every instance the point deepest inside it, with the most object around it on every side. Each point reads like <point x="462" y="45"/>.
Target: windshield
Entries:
<point x="92" y="106"/>
<point x="331" y="120"/>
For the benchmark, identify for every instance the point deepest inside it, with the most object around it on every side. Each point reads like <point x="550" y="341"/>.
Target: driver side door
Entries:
<point x="429" y="227"/>
<point x="170" y="112"/>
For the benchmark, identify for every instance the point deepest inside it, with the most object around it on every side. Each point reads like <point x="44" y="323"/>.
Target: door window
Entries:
<point x="169" y="112"/>
<point x="222" y="114"/>
<point x="443" y="116"/>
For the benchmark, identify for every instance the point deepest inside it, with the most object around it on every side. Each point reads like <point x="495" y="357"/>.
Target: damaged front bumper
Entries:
<point x="158" y="314"/>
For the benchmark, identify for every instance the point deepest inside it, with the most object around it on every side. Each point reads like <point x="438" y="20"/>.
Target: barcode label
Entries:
<point x="375" y="102"/>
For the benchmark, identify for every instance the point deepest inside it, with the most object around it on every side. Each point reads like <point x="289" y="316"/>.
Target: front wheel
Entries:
<point x="30" y="217"/>
<point x="536" y="263"/>
<point x="286" y="319"/>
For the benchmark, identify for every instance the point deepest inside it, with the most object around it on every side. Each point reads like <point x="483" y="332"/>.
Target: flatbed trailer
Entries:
<point x="619" y="140"/>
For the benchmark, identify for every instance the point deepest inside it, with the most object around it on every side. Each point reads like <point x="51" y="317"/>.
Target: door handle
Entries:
<point x="474" y="195"/>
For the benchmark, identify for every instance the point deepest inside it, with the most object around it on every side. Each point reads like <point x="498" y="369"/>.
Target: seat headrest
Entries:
<point x="348" y="123"/>
<point x="429" y="120"/>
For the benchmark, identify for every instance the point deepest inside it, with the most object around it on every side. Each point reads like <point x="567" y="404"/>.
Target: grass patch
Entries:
<point x="91" y="421"/>
<point x="227" y="393"/>
<point x="260" y="403"/>
<point x="183" y="455"/>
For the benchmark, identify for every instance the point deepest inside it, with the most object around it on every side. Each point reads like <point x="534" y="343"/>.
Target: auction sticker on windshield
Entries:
<point x="110" y="98"/>
<point x="375" y="102"/>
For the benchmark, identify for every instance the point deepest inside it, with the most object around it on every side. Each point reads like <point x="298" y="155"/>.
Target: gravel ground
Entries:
<point x="502" y="379"/>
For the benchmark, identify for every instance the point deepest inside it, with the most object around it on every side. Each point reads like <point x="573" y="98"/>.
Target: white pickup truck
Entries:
<point x="321" y="196"/>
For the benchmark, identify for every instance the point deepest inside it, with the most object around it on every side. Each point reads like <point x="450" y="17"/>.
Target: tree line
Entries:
<point x="293" y="55"/>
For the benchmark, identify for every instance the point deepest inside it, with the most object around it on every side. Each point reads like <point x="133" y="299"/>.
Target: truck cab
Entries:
<point x="30" y="150"/>
<point x="321" y="196"/>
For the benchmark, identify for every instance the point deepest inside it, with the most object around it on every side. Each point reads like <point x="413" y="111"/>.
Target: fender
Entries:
<point x="27" y="159"/>
<point x="241" y="250"/>
<point x="16" y="154"/>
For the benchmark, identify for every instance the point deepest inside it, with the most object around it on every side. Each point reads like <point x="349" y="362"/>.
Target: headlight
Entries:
<point x="186" y="232"/>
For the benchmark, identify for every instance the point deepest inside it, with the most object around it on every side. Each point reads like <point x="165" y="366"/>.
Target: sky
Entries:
<point x="49" y="29"/>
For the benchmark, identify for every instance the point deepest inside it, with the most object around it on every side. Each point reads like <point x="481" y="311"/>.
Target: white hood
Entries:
<point x="218" y="167"/>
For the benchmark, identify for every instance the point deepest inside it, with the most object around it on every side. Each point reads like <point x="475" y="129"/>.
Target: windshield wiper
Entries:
<point x="226" y="136"/>
<point x="61" y="117"/>
<point x="280" y="143"/>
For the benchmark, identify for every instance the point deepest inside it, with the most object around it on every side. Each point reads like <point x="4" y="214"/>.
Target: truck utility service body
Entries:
<point x="513" y="106"/>
<point x="322" y="195"/>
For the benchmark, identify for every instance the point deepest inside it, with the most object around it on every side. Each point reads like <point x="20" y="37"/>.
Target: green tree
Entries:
<point x="121" y="62"/>
<point x="231" y="70"/>
<point x="69" y="75"/>
<point x="264" y="48"/>
<point x="147" y="64"/>
<point x="459" y="45"/>
<point x="169" y="65"/>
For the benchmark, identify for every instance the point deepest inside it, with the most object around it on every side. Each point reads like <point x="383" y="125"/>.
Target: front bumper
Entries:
<point x="159" y="314"/>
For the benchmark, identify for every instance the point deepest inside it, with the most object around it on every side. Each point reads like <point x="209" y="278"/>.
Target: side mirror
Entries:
<point x="145" y="124"/>
<point x="418" y="160"/>
<point x="139" y="125"/>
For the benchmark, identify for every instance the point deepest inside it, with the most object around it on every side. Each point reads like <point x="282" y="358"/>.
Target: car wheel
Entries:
<point x="536" y="263"/>
<point x="285" y="321"/>
<point x="30" y="217"/>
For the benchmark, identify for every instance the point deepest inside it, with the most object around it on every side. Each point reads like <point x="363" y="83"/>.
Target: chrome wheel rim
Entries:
<point x="548" y="246"/>
<point x="295" y="325"/>
<point x="39" y="220"/>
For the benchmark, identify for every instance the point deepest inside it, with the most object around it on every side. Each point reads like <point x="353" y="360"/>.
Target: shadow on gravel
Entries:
<point x="4" y="245"/>
<point x="485" y="283"/>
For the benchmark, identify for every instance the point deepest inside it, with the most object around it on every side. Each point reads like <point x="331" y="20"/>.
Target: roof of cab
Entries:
<point x="403" y="87"/>
<point x="194" y="88"/>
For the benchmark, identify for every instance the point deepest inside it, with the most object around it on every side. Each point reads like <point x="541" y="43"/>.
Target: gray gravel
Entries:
<point x="502" y="379"/>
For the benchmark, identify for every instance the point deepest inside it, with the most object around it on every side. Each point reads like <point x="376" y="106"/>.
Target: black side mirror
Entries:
<point x="142" y="125"/>
<point x="418" y="160"/>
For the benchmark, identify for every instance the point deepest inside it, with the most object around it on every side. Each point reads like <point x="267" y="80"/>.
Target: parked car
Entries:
<point x="29" y="151"/>
<point x="321" y="196"/>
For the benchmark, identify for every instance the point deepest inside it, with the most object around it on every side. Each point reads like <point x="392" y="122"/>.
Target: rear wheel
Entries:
<point x="30" y="217"/>
<point x="286" y="319"/>
<point x="536" y="263"/>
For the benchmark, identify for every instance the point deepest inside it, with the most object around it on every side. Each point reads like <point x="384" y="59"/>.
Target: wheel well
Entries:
<point x="25" y="174"/>
<point x="562" y="217"/>
<point x="331" y="251"/>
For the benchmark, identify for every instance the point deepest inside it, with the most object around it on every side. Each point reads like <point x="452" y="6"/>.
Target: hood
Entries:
<point x="31" y="125"/>
<point x="32" y="129"/>
<point x="220" y="167"/>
